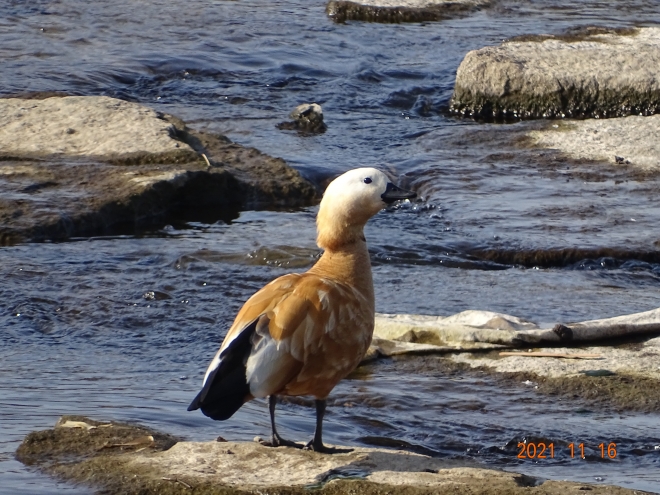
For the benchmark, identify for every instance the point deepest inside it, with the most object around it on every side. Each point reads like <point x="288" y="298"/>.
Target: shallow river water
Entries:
<point x="122" y="328"/>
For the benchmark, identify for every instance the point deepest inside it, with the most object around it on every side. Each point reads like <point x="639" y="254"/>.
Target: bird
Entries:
<point x="303" y="332"/>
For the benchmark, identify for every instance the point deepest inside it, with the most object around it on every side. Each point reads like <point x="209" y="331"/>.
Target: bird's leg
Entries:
<point x="316" y="444"/>
<point x="276" y="439"/>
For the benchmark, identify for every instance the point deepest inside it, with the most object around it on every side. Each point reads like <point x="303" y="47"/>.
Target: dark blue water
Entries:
<point x="80" y="337"/>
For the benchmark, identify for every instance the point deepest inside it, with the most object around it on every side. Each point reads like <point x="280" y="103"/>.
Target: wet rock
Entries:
<point x="563" y="257"/>
<point x="624" y="376"/>
<point x="307" y="117"/>
<point x="624" y="141"/>
<point x="117" y="458"/>
<point x="78" y="437"/>
<point x="124" y="167"/>
<point x="401" y="10"/>
<point x="590" y="73"/>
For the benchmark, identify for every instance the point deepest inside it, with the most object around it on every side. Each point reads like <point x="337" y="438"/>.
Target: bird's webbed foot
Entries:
<point x="278" y="441"/>
<point x="319" y="447"/>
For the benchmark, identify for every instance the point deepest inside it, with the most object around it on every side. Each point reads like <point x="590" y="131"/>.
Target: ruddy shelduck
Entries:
<point x="302" y="333"/>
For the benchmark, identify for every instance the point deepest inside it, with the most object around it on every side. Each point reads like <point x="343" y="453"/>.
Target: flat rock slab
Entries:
<point x="466" y="335"/>
<point x="393" y="11"/>
<point x="119" y="458"/>
<point x="591" y="73"/>
<point x="642" y="360"/>
<point x="83" y="126"/>
<point x="632" y="140"/>
<point x="81" y="166"/>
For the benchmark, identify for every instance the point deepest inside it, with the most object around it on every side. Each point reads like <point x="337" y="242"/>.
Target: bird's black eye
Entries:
<point x="367" y="180"/>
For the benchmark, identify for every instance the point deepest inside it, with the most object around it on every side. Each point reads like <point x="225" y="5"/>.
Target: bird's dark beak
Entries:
<point x="394" y="193"/>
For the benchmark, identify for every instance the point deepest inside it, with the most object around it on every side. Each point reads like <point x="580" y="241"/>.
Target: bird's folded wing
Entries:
<point x="260" y="304"/>
<point x="301" y="318"/>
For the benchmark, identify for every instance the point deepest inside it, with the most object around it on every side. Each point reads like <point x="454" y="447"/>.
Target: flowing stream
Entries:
<point x="123" y="328"/>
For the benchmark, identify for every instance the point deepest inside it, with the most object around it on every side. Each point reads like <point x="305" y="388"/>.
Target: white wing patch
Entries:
<point x="266" y="367"/>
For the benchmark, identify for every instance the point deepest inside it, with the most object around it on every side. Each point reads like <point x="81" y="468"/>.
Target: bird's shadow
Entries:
<point x="306" y="447"/>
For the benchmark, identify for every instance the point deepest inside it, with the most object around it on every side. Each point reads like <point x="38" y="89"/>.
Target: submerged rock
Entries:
<point x="307" y="117"/>
<point x="127" y="459"/>
<point x="401" y="10"/>
<point x="632" y="140"/>
<point x="80" y="166"/>
<point x="590" y="73"/>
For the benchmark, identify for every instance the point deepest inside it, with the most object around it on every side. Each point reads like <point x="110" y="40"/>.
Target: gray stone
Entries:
<point x="83" y="126"/>
<point x="593" y="73"/>
<point x="124" y="167"/>
<point x="401" y="10"/>
<point x="307" y="117"/>
<point x="632" y="140"/>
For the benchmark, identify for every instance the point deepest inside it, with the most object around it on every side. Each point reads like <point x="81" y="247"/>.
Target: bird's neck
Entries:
<point x="348" y="264"/>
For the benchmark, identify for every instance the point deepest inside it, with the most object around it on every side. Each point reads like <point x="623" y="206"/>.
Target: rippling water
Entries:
<point x="122" y="328"/>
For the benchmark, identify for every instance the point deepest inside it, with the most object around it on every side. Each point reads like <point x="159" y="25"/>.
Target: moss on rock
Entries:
<point x="342" y="11"/>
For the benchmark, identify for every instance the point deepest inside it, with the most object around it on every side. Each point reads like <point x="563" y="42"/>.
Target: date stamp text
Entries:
<point x="541" y="450"/>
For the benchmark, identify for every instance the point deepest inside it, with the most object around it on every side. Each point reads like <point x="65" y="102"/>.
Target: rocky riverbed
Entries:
<point x="512" y="223"/>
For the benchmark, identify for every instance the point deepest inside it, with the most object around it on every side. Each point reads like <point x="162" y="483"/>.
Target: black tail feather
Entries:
<point x="226" y="389"/>
<point x="226" y="396"/>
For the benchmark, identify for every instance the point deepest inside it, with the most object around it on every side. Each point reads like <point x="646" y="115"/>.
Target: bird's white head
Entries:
<point x="349" y="201"/>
